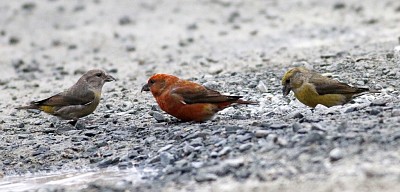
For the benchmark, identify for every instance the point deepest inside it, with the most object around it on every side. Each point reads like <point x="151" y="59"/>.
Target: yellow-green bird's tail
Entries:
<point x="363" y="91"/>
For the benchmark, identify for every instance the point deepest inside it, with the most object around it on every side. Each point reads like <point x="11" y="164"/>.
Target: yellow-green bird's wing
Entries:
<point x="324" y="85"/>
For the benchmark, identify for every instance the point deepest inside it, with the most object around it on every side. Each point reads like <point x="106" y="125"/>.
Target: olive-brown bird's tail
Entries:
<point x="32" y="105"/>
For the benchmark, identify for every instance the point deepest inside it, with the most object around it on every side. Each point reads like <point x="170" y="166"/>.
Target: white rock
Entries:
<point x="262" y="87"/>
<point x="336" y="154"/>
<point x="321" y="109"/>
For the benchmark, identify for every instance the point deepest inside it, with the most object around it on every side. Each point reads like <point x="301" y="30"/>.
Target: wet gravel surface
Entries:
<point x="240" y="48"/>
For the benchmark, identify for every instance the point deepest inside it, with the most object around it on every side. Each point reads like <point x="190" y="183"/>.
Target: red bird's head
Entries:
<point x="158" y="83"/>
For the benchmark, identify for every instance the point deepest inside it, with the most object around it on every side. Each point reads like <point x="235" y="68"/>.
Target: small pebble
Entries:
<point x="202" y="177"/>
<point x="335" y="154"/>
<point x="224" y="151"/>
<point x="261" y="133"/>
<point x="245" y="147"/>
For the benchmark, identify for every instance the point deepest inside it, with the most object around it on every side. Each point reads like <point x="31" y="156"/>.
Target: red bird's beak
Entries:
<point x="145" y="88"/>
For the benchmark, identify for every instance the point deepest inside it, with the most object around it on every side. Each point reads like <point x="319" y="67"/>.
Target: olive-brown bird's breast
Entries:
<point x="78" y="110"/>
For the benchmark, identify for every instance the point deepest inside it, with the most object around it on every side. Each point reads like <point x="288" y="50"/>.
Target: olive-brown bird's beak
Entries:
<point x="286" y="90"/>
<point x="110" y="78"/>
<point x="145" y="88"/>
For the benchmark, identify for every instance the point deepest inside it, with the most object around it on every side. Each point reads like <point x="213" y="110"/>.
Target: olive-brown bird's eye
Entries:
<point x="98" y="74"/>
<point x="287" y="80"/>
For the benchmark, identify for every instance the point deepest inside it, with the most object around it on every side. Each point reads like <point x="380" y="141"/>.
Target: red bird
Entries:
<point x="187" y="100"/>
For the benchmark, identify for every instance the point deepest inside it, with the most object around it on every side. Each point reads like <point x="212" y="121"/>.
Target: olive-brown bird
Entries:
<point x="312" y="88"/>
<point x="186" y="100"/>
<point x="78" y="101"/>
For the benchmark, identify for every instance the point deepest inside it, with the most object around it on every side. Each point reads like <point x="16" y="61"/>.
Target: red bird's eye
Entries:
<point x="151" y="81"/>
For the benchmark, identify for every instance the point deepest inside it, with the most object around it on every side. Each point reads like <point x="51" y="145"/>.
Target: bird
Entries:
<point x="312" y="88"/>
<point x="78" y="101"/>
<point x="187" y="100"/>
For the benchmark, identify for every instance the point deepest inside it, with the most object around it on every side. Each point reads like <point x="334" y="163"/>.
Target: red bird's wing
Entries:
<point x="195" y="93"/>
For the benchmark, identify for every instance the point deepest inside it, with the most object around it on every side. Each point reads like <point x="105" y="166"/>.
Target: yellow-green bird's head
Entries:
<point x="294" y="78"/>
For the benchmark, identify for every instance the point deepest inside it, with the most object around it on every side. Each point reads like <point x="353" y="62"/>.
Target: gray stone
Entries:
<point x="125" y="165"/>
<point x="165" y="148"/>
<point x="153" y="159"/>
<point x="23" y="136"/>
<point x="379" y="102"/>
<point x="261" y="133"/>
<point x="277" y="126"/>
<point x="220" y="143"/>
<point x="150" y="140"/>
<point x="296" y="127"/>
<point x="214" y="154"/>
<point x="317" y="127"/>
<point x="108" y="162"/>
<point x="313" y="137"/>
<point x="90" y="133"/>
<point x="234" y="163"/>
<point x="158" y="116"/>
<point x="203" y="177"/>
<point x="395" y="112"/>
<point x="243" y="138"/>
<point x="166" y="158"/>
<point x="245" y="147"/>
<point x="232" y="129"/>
<point x="224" y="151"/>
<point x="296" y="115"/>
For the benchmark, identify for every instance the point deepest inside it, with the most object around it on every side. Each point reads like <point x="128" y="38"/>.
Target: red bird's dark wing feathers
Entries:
<point x="195" y="93"/>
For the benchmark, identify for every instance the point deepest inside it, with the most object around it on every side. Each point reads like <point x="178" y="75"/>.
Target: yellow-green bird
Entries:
<point x="78" y="101"/>
<point x="312" y="88"/>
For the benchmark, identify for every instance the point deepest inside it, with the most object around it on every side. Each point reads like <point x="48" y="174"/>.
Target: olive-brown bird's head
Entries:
<point x="95" y="79"/>
<point x="158" y="83"/>
<point x="294" y="78"/>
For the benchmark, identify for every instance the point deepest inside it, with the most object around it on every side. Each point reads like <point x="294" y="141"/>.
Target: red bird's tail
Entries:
<point x="235" y="100"/>
<point x="238" y="100"/>
<point x="241" y="101"/>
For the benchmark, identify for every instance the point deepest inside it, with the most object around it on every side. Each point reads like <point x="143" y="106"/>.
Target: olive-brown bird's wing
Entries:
<point x="195" y="93"/>
<point x="65" y="99"/>
<point x="325" y="85"/>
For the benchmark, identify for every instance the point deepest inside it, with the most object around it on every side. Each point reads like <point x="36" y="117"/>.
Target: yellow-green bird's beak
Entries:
<point x="286" y="90"/>
<point x="145" y="88"/>
<point x="110" y="78"/>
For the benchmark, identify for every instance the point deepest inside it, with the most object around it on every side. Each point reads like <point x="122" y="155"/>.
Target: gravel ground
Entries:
<point x="236" y="47"/>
